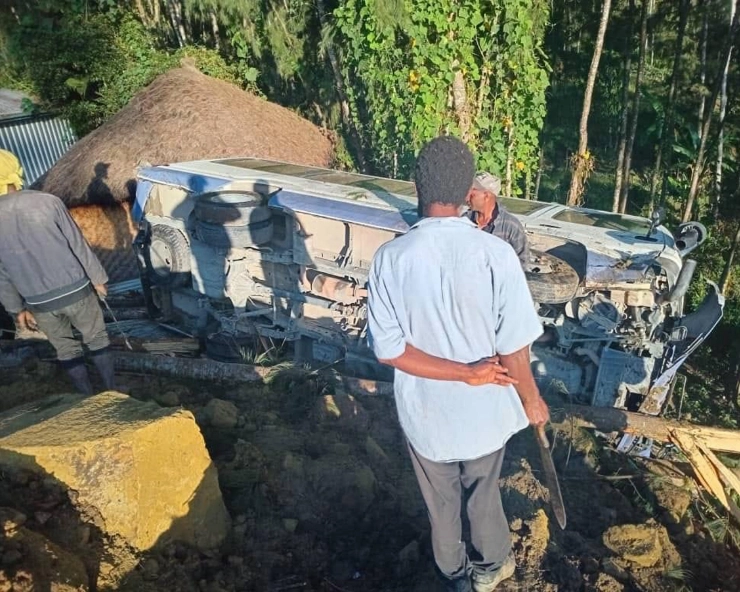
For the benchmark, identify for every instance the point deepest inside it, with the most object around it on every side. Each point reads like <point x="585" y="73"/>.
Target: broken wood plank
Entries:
<point x="727" y="475"/>
<point x="704" y="470"/>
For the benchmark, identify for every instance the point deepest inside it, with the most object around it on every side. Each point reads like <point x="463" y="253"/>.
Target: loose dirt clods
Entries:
<point x="325" y="501"/>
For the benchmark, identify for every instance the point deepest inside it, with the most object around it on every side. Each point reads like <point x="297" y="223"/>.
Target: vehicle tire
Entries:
<point x="225" y="237"/>
<point x="550" y="279"/>
<point x="232" y="348"/>
<point x="231" y="209"/>
<point x="168" y="257"/>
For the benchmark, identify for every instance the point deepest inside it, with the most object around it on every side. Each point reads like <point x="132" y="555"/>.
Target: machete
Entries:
<point x="551" y="477"/>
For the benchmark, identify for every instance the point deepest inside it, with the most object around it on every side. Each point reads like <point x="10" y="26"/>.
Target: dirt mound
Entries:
<point x="182" y="115"/>
<point x="637" y="543"/>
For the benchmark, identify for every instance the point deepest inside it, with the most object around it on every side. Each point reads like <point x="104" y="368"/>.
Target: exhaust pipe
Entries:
<point x="683" y="281"/>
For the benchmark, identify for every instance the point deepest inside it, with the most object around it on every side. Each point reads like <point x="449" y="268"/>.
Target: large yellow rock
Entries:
<point x="139" y="472"/>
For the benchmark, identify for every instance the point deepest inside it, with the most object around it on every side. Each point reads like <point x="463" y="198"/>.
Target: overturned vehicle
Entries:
<point x="240" y="250"/>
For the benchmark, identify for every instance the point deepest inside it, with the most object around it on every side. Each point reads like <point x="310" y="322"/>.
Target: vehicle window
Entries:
<point x="522" y="207"/>
<point x="603" y="220"/>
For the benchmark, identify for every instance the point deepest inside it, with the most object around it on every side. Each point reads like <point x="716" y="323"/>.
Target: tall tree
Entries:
<point x="666" y="129"/>
<point x="703" y="39"/>
<point x="624" y="118"/>
<point x="722" y="116"/>
<point x="698" y="166"/>
<point x="582" y="163"/>
<point x="724" y="280"/>
<point x="624" y="190"/>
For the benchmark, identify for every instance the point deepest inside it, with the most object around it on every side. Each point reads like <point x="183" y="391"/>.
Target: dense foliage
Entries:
<point x="507" y="75"/>
<point x="473" y="68"/>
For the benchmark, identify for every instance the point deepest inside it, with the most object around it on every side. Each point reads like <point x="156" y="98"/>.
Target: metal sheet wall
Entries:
<point x="37" y="140"/>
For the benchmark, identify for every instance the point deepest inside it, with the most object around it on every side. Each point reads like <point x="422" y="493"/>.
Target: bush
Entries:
<point x="88" y="68"/>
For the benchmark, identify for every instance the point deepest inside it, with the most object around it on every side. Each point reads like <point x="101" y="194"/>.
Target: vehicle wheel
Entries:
<point x="232" y="348"/>
<point x="231" y="209"/>
<point x="550" y="279"/>
<point x="224" y="237"/>
<point x="168" y="258"/>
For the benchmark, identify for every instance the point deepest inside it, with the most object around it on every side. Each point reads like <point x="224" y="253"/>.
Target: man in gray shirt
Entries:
<point x="50" y="280"/>
<point x="489" y="215"/>
<point x="450" y="311"/>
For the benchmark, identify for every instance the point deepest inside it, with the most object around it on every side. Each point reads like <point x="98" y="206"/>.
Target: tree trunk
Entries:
<point x="666" y="129"/>
<point x="347" y="119"/>
<point x="215" y="30"/>
<point x="622" y="142"/>
<point x="540" y="167"/>
<point x="703" y="60"/>
<point x="635" y="110"/>
<point x="175" y="13"/>
<point x="722" y="114"/>
<point x="698" y="168"/>
<point x="581" y="164"/>
<point x="724" y="281"/>
<point x="508" y="180"/>
<point x="461" y="104"/>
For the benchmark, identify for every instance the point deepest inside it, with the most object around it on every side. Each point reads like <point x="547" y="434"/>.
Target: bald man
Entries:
<point x="489" y="215"/>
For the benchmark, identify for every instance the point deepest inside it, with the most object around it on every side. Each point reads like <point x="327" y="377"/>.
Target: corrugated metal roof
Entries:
<point x="37" y="140"/>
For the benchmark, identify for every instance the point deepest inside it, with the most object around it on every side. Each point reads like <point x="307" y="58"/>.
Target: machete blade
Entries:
<point x="551" y="477"/>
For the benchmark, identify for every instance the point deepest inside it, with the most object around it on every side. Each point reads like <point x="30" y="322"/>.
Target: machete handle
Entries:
<point x="540" y="429"/>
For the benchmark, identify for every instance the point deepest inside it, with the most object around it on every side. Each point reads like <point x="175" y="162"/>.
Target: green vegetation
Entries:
<point x="509" y="76"/>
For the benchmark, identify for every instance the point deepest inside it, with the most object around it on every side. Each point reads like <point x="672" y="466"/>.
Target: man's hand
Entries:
<point x="26" y="321"/>
<point x="536" y="410"/>
<point x="102" y="290"/>
<point x="488" y="371"/>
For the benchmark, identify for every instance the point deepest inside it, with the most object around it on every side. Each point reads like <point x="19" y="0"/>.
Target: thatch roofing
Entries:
<point x="182" y="115"/>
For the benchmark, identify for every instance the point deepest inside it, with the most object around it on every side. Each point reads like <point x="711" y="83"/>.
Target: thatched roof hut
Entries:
<point x="182" y="115"/>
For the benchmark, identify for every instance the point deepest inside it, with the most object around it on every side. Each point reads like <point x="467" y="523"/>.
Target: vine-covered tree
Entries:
<point x="474" y="68"/>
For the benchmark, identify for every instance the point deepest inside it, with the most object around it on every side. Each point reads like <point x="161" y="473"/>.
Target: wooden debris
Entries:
<point x="705" y="473"/>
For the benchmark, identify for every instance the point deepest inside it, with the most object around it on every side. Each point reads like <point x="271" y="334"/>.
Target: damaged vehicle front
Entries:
<point x="615" y="329"/>
<point x="248" y="250"/>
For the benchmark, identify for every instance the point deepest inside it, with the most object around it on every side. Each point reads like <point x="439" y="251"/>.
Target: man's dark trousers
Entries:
<point x="444" y="486"/>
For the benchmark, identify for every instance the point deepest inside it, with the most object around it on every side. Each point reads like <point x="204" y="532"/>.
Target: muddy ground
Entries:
<point x="323" y="498"/>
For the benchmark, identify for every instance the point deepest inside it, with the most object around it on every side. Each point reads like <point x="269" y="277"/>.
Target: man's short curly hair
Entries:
<point x="444" y="173"/>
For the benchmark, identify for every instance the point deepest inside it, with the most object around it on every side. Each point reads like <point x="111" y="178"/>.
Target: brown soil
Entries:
<point x="323" y="498"/>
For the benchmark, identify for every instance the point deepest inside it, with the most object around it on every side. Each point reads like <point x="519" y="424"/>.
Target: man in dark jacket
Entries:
<point x="491" y="216"/>
<point x="51" y="280"/>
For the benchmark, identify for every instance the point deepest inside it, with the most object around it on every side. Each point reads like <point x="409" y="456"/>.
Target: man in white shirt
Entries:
<point x="450" y="310"/>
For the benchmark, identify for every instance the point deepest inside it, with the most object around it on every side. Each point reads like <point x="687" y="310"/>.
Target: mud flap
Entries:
<point x="693" y="329"/>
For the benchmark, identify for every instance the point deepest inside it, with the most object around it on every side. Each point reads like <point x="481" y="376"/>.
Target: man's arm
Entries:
<point x="518" y="364"/>
<point x="89" y="261"/>
<point x="418" y="363"/>
<point x="517" y="328"/>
